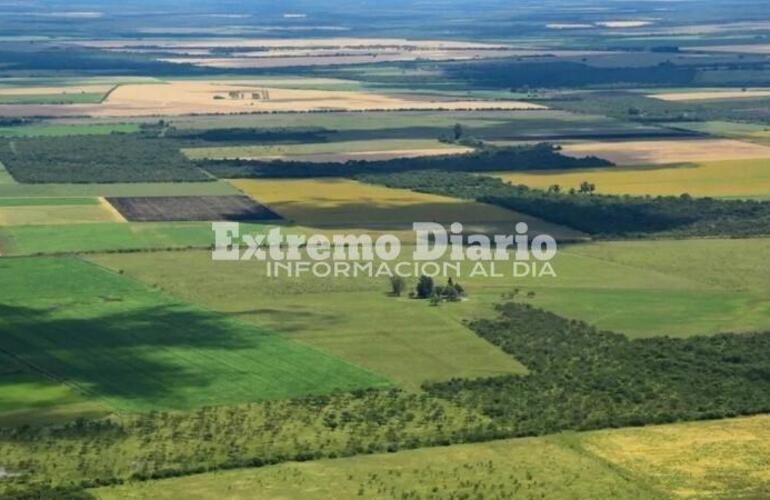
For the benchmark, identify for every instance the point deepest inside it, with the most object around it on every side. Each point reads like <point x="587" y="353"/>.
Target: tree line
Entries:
<point x="541" y="156"/>
<point x="599" y="215"/>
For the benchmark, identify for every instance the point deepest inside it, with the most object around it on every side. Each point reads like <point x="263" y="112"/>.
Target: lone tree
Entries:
<point x="397" y="285"/>
<point x="458" y="131"/>
<point x="587" y="187"/>
<point x="425" y="287"/>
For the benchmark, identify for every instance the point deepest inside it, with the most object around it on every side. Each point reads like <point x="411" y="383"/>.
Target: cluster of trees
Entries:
<point x="599" y="215"/>
<point x="89" y="159"/>
<point x="541" y="156"/>
<point x="581" y="378"/>
<point x="427" y="289"/>
<point x="14" y="122"/>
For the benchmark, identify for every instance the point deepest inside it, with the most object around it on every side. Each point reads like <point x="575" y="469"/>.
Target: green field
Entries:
<point x="48" y="214"/>
<point x="693" y="287"/>
<point x="489" y="125"/>
<point x="26" y="397"/>
<point x="13" y="190"/>
<point x="137" y="349"/>
<point x="354" y="319"/>
<point x="717" y="459"/>
<point x="45" y="130"/>
<point x="36" y="202"/>
<point x="5" y="177"/>
<point x="63" y="98"/>
<point x="522" y="468"/>
<point x="104" y="237"/>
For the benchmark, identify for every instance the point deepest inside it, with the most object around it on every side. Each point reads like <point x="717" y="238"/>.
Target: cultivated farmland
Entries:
<point x="190" y="208"/>
<point x="669" y="151"/>
<point x="137" y="349"/>
<point x="726" y="178"/>
<point x="212" y="97"/>
<point x="703" y="459"/>
<point x="338" y="151"/>
<point x="346" y="203"/>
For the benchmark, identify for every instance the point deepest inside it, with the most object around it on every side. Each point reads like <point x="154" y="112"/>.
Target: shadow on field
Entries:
<point x="165" y="356"/>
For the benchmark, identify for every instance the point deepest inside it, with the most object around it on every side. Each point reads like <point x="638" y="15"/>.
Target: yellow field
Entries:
<point x="331" y="151"/>
<point x="212" y="97"/>
<point x="59" y="214"/>
<point x="669" y="151"/>
<point x="711" y="95"/>
<point x="346" y="203"/>
<point x="723" y="458"/>
<point x="721" y="178"/>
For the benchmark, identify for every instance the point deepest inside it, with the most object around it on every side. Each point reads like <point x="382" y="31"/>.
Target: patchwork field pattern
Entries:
<point x="212" y="97"/>
<point x="139" y="350"/>
<point x="191" y="208"/>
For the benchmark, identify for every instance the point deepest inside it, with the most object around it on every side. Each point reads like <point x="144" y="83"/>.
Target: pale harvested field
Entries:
<point x="75" y="89"/>
<point x="193" y="97"/>
<point x="669" y="151"/>
<point x="623" y="24"/>
<point x="270" y="43"/>
<point x="325" y="57"/>
<point x="711" y="95"/>
<point x="344" y="203"/>
<point x="58" y="214"/>
<point x="734" y="178"/>
<point x="734" y="49"/>
<point x="330" y="151"/>
<point x="269" y="53"/>
<point x="723" y="458"/>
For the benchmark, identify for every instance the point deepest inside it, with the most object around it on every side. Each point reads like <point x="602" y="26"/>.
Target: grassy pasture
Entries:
<point x="138" y="350"/>
<point x="523" y="468"/>
<point x="104" y="237"/>
<point x="5" y="177"/>
<point x="45" y="130"/>
<point x="35" y="202"/>
<point x="341" y="203"/>
<point x="428" y="125"/>
<point x="715" y="459"/>
<point x="643" y="289"/>
<point x="13" y="190"/>
<point x="730" y="178"/>
<point x="63" y="98"/>
<point x="50" y="211"/>
<point x="718" y="459"/>
<point x="27" y="397"/>
<point x="354" y="319"/>
<point x="752" y="132"/>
